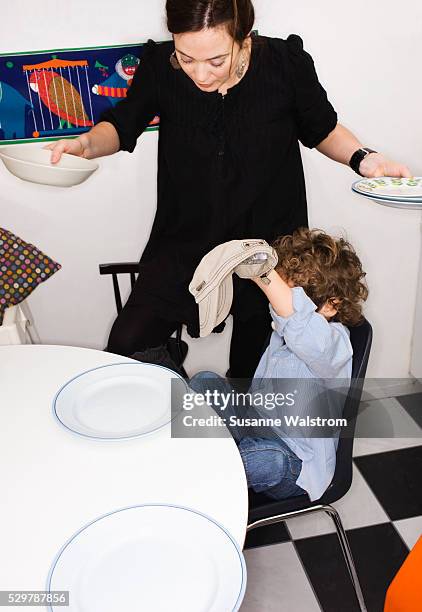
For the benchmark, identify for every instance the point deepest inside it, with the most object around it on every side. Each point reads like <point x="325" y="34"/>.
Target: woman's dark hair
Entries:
<point x="195" y="15"/>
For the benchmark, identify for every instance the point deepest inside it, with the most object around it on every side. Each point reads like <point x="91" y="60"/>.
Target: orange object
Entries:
<point x="111" y="92"/>
<point x="55" y="63"/>
<point x="405" y="592"/>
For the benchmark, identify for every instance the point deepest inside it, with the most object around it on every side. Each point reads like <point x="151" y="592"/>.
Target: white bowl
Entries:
<point x="33" y="164"/>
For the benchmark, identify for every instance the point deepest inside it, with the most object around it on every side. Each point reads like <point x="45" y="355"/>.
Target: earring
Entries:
<point x="174" y="61"/>
<point x="240" y="68"/>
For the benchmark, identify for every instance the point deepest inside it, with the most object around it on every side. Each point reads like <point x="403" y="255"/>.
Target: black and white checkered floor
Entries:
<point x="382" y="514"/>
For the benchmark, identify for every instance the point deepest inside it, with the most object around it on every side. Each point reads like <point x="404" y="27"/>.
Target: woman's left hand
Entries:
<point x="375" y="165"/>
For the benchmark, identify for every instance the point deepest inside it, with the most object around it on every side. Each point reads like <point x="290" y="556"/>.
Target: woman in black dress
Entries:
<point x="233" y="108"/>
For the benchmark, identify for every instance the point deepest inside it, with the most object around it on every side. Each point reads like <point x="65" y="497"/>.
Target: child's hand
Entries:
<point x="278" y="292"/>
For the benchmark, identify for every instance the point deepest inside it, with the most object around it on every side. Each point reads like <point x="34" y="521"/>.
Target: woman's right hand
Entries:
<point x="73" y="146"/>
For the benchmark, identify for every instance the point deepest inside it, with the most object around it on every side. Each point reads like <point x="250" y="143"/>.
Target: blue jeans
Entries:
<point x="271" y="466"/>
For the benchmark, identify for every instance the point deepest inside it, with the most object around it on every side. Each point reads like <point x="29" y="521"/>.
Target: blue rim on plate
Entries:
<point x="242" y="589"/>
<point x="391" y="202"/>
<point x="108" y="365"/>
<point x="388" y="198"/>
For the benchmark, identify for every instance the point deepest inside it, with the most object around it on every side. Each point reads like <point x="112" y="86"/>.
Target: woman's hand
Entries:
<point x="102" y="139"/>
<point x="375" y="165"/>
<point x="73" y="146"/>
<point x="340" y="145"/>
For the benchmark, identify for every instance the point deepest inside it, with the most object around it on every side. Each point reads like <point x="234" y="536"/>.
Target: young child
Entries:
<point x="316" y="290"/>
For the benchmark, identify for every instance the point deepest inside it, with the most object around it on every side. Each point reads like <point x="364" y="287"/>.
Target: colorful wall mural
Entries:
<point x="46" y="95"/>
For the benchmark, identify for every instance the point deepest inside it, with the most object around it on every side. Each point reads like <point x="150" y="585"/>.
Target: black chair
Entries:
<point x="176" y="347"/>
<point x="265" y="511"/>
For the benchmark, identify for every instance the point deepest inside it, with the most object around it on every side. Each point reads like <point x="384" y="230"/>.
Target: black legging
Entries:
<point x="138" y="328"/>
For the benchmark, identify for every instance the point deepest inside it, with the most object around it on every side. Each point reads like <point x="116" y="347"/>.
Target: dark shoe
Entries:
<point x="241" y="385"/>
<point x="159" y="355"/>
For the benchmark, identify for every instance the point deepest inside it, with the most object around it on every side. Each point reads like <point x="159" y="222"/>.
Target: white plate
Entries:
<point x="397" y="204"/>
<point x="118" y="401"/>
<point x="390" y="187"/>
<point x="153" y="557"/>
<point x="33" y="164"/>
<point x="398" y="199"/>
<point x="409" y="204"/>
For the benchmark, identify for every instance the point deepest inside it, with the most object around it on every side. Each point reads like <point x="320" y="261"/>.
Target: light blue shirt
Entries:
<point x="305" y="346"/>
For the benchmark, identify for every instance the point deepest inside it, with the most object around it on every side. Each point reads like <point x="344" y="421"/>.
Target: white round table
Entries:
<point x="54" y="482"/>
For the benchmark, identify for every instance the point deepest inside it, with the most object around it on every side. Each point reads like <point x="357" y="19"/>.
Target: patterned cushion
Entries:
<point x="22" y="268"/>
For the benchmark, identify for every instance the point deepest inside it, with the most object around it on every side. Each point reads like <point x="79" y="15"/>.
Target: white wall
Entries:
<point x="416" y="354"/>
<point x="368" y="57"/>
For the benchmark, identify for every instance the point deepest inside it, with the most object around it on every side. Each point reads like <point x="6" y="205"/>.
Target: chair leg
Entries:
<point x="179" y="343"/>
<point x="345" y="547"/>
<point x="344" y="543"/>
<point x="178" y="350"/>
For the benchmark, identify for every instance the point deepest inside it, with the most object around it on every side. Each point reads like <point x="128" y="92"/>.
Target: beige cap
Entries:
<point x="212" y="283"/>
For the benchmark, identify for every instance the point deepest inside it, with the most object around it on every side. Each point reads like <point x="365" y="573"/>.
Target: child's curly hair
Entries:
<point x="327" y="268"/>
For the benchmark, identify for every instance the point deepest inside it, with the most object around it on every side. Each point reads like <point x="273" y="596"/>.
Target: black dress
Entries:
<point x="229" y="167"/>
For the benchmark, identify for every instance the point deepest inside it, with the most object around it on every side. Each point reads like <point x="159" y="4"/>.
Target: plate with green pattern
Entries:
<point x="390" y="188"/>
